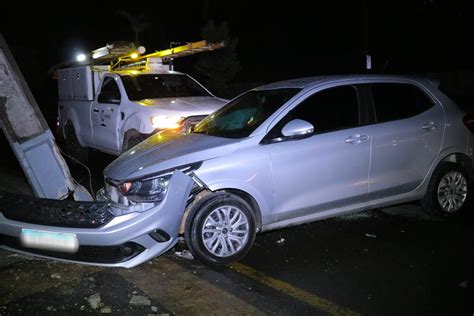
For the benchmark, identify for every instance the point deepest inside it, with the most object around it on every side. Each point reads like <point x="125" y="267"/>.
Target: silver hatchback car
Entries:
<point x="279" y="155"/>
<point x="298" y="151"/>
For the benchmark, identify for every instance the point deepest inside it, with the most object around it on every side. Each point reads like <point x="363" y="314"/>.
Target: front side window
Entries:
<point x="110" y="86"/>
<point x="395" y="101"/>
<point x="327" y="110"/>
<point x="109" y="92"/>
<point x="154" y="86"/>
<point x="240" y="117"/>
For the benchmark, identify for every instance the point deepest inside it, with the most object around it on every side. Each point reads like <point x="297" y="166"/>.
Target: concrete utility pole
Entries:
<point x="30" y="137"/>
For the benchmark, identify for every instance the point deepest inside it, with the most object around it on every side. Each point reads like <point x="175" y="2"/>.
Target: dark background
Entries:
<point x="277" y="40"/>
<point x="376" y="264"/>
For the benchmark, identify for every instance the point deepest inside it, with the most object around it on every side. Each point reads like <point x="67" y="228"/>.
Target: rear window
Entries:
<point x="395" y="101"/>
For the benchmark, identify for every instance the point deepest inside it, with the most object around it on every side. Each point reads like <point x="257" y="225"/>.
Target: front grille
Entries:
<point x="92" y="254"/>
<point x="59" y="213"/>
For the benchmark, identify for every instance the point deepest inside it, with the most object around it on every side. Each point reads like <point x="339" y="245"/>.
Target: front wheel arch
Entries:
<point x="131" y="138"/>
<point x="252" y="202"/>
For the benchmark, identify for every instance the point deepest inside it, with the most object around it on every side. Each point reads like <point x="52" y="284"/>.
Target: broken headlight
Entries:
<point x="146" y="190"/>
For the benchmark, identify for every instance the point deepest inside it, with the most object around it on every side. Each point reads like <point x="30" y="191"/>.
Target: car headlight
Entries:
<point x="165" y="122"/>
<point x="146" y="190"/>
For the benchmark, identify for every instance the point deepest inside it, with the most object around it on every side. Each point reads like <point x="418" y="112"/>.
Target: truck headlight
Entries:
<point x="146" y="190"/>
<point x="165" y="122"/>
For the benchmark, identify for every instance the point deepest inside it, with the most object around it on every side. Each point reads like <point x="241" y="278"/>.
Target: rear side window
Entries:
<point x="395" y="101"/>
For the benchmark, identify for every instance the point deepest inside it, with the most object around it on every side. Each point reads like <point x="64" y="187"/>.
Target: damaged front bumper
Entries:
<point x="103" y="237"/>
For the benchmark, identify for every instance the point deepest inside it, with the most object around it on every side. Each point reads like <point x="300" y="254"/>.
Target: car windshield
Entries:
<point x="153" y="86"/>
<point x="240" y="117"/>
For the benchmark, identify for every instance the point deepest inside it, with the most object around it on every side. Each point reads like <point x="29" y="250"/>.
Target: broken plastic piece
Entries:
<point x="184" y="254"/>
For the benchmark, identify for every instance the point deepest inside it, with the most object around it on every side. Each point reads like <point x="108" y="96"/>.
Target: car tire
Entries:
<point x="213" y="240"/>
<point x="449" y="191"/>
<point x="72" y="147"/>
<point x="131" y="139"/>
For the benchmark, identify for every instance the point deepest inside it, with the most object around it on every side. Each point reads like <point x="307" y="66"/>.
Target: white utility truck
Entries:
<point x="113" y="107"/>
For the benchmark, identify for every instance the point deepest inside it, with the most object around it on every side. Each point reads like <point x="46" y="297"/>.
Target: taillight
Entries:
<point x="468" y="120"/>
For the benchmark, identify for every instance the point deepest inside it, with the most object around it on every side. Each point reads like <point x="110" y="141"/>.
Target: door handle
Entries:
<point x="430" y="126"/>
<point x="356" y="139"/>
<point x="96" y="110"/>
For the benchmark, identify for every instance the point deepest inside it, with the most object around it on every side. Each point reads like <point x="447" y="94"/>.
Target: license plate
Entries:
<point x="63" y="242"/>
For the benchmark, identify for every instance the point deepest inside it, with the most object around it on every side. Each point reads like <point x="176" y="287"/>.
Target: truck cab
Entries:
<point x="112" y="111"/>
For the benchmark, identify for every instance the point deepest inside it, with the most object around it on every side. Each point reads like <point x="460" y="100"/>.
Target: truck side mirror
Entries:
<point x="109" y="97"/>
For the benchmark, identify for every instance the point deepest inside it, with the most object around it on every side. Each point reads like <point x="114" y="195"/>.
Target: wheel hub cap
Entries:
<point x="225" y="231"/>
<point x="452" y="191"/>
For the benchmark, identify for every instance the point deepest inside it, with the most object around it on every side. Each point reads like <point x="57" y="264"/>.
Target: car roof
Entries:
<point x="309" y="82"/>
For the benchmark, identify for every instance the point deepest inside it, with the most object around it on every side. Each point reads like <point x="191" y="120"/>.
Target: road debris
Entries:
<point x="371" y="235"/>
<point x="281" y="241"/>
<point x="106" y="310"/>
<point x="94" y="300"/>
<point x="139" y="300"/>
<point x="463" y="284"/>
<point x="185" y="254"/>
<point x="56" y="276"/>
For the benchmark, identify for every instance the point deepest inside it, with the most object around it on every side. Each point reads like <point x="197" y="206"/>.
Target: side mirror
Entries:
<point x="109" y="97"/>
<point x="297" y="129"/>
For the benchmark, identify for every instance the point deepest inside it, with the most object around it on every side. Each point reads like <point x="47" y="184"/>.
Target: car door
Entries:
<point x="106" y="116"/>
<point x="406" y="138"/>
<point x="328" y="169"/>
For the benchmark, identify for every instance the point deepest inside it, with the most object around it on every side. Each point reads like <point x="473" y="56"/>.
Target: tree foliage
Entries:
<point x="138" y="23"/>
<point x="219" y="67"/>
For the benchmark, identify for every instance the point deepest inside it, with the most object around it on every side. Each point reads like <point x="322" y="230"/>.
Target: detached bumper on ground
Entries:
<point x="89" y="232"/>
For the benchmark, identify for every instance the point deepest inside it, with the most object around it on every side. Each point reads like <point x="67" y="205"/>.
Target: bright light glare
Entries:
<point x="165" y="122"/>
<point x="134" y="55"/>
<point x="81" y="57"/>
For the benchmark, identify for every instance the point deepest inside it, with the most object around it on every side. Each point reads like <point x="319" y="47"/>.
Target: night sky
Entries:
<point x="277" y="39"/>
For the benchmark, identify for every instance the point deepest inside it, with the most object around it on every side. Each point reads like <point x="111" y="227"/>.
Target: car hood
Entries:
<point x="199" y="105"/>
<point x="167" y="150"/>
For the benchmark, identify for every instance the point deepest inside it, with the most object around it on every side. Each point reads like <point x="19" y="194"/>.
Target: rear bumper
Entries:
<point x="125" y="241"/>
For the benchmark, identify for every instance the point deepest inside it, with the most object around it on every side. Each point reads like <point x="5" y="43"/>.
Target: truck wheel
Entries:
<point x="448" y="192"/>
<point x="220" y="229"/>
<point x="131" y="139"/>
<point x="72" y="147"/>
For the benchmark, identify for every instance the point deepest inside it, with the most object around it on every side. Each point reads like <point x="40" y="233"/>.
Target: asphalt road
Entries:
<point x="382" y="262"/>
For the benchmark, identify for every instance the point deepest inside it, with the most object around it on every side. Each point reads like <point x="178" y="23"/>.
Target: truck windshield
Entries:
<point x="154" y="86"/>
<point x="241" y="116"/>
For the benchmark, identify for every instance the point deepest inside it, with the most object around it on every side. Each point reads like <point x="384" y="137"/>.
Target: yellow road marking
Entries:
<point x="293" y="291"/>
